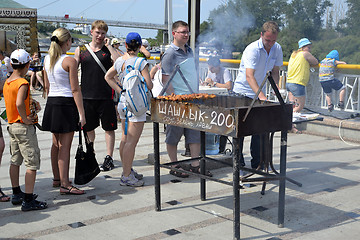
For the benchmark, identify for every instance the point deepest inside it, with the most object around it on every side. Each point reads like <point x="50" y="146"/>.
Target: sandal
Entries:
<point x="3" y="197"/>
<point x="57" y="183"/>
<point x="71" y="190"/>
<point x="197" y="170"/>
<point x="179" y="174"/>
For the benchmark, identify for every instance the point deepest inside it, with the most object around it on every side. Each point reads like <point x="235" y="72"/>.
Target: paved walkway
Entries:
<point x="326" y="207"/>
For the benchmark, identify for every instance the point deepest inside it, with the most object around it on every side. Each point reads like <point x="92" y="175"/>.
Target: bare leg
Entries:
<point x="39" y="79"/>
<point x="342" y="95"/>
<point x="91" y="135"/>
<point x="299" y="104"/>
<point x="110" y="142"/>
<point x="14" y="175"/>
<point x="132" y="138"/>
<point x="30" y="177"/>
<point x="328" y="99"/>
<point x="172" y="152"/>
<point x="32" y="80"/>
<point x="54" y="159"/>
<point x="64" y="141"/>
<point x="195" y="152"/>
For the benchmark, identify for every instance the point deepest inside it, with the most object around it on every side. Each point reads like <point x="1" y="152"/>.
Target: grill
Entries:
<point x="235" y="117"/>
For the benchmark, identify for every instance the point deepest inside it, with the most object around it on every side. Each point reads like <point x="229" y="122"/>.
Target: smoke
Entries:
<point x="227" y="27"/>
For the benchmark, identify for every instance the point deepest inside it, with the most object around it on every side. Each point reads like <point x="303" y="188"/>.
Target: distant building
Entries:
<point x="18" y="27"/>
<point x="83" y="28"/>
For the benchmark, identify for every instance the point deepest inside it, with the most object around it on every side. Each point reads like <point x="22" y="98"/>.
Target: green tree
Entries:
<point x="304" y="17"/>
<point x="351" y="24"/>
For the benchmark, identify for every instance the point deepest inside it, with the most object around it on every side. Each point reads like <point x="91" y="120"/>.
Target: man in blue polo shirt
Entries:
<point x="259" y="57"/>
<point x="179" y="53"/>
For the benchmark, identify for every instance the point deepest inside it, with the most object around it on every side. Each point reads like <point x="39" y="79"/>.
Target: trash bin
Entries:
<point x="211" y="143"/>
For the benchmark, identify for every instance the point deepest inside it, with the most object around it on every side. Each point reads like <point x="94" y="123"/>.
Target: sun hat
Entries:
<point x="303" y="42"/>
<point x="133" y="36"/>
<point x="145" y="42"/>
<point x="20" y="56"/>
<point x="115" y="41"/>
<point x="333" y="54"/>
<point x="214" y="61"/>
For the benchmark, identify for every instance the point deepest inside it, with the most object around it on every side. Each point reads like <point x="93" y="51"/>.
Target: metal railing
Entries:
<point x="315" y="97"/>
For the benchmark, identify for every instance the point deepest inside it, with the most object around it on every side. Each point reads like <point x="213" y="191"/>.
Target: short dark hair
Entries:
<point x="214" y="61"/>
<point x="178" y="24"/>
<point x="133" y="46"/>
<point x="20" y="66"/>
<point x="270" y="26"/>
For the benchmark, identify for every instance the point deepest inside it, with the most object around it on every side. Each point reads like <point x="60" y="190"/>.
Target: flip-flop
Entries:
<point x="3" y="197"/>
<point x="71" y="190"/>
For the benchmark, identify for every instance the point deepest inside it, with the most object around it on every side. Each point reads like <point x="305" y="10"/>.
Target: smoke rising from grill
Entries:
<point x="226" y="28"/>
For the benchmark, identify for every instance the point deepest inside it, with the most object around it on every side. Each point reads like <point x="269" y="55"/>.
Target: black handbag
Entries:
<point x="86" y="167"/>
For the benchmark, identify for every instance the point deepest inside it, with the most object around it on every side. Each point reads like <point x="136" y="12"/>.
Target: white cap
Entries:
<point x="114" y="41"/>
<point x="20" y="56"/>
<point x="145" y="42"/>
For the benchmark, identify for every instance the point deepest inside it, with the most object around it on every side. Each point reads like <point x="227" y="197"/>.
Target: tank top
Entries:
<point x="10" y="91"/>
<point x="298" y="70"/>
<point x="93" y="83"/>
<point x="58" y="78"/>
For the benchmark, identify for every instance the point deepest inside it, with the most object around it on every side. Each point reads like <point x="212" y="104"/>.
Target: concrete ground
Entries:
<point x="325" y="207"/>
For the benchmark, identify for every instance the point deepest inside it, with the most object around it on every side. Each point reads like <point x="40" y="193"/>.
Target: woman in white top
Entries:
<point x="63" y="107"/>
<point x="135" y="123"/>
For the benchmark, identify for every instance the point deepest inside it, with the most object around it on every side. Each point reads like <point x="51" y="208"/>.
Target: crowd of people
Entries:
<point x="74" y="104"/>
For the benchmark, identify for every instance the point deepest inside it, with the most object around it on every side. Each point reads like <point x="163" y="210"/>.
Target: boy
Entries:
<point x="328" y="81"/>
<point x="23" y="139"/>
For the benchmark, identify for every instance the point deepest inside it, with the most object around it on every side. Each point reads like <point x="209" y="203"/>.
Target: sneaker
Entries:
<point x="137" y="175"/>
<point x="131" y="181"/>
<point x="17" y="199"/>
<point x="108" y="164"/>
<point x="341" y="105"/>
<point x="33" y="205"/>
<point x="331" y="107"/>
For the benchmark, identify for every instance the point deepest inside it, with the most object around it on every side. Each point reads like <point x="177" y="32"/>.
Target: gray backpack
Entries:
<point x="137" y="94"/>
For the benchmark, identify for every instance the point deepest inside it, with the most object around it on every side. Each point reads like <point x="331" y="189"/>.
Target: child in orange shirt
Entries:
<point x="23" y="139"/>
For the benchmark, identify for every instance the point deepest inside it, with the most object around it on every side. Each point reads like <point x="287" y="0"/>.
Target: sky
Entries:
<point x="149" y="11"/>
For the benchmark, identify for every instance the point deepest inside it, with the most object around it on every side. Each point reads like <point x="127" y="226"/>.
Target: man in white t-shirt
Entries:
<point x="259" y="57"/>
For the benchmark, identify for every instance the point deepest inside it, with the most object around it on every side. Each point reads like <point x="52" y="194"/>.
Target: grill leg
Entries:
<point x="282" y="181"/>
<point x="157" y="166"/>
<point x="236" y="188"/>
<point x="202" y="166"/>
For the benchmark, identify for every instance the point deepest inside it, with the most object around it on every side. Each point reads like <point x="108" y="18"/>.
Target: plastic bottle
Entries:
<point x="211" y="143"/>
<point x="3" y="71"/>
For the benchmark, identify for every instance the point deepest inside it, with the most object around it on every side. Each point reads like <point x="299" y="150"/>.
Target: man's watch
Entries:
<point x="215" y="84"/>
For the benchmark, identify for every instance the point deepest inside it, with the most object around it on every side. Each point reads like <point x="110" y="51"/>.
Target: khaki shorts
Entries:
<point x="24" y="145"/>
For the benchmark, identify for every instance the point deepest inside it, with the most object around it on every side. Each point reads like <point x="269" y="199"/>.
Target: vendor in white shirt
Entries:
<point x="218" y="76"/>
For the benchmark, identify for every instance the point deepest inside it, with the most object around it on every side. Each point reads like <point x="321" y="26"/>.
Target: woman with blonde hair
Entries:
<point x="63" y="107"/>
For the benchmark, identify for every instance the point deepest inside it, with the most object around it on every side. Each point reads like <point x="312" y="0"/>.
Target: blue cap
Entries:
<point x="333" y="54"/>
<point x="133" y="36"/>
<point x="303" y="42"/>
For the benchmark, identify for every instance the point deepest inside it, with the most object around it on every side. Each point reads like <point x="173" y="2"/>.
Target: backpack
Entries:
<point x="137" y="95"/>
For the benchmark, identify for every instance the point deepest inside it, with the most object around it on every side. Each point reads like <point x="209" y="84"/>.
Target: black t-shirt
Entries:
<point x="93" y="83"/>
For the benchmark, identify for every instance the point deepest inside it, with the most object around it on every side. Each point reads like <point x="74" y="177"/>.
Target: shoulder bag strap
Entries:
<point x="95" y="57"/>
<point x="80" y="135"/>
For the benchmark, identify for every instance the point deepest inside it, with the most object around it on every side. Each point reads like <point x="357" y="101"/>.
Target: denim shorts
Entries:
<point x="331" y="84"/>
<point x="296" y="89"/>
